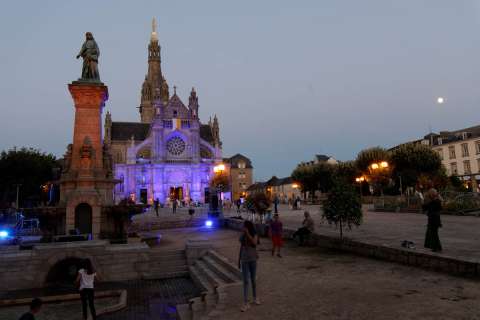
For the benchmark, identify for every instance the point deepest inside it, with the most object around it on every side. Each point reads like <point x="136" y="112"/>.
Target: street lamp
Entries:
<point x="219" y="168"/>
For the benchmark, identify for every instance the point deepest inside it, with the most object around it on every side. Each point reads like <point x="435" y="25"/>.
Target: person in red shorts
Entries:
<point x="276" y="233"/>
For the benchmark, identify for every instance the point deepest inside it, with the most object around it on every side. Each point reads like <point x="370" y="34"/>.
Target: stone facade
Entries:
<point x="28" y="269"/>
<point x="240" y="171"/>
<point x="170" y="153"/>
<point x="86" y="182"/>
<point x="459" y="151"/>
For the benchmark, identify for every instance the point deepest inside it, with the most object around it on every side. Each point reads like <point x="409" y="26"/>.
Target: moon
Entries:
<point x="440" y="100"/>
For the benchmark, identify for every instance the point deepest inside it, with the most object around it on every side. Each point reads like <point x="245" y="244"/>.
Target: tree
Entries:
<point x="29" y="167"/>
<point x="258" y="202"/>
<point x="378" y="178"/>
<point x="347" y="171"/>
<point x="323" y="175"/>
<point x="410" y="161"/>
<point x="343" y="206"/>
<point x="372" y="155"/>
<point x="304" y="175"/>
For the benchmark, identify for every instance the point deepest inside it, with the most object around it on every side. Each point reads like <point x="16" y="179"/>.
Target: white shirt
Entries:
<point x="86" y="280"/>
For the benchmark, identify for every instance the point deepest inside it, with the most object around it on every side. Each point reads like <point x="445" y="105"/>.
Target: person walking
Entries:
<point x="35" y="307"/>
<point x="275" y="204"/>
<point x="248" y="262"/>
<point x="307" y="228"/>
<point x="432" y="207"/>
<point x="174" y="206"/>
<point x="85" y="280"/>
<point x="276" y="233"/>
<point x="156" y="204"/>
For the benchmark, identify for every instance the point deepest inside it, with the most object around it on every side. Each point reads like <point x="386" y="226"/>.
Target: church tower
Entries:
<point x="153" y="80"/>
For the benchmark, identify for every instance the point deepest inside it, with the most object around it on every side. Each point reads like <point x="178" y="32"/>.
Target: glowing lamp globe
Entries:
<point x="3" y="234"/>
<point x="208" y="223"/>
<point x="440" y="100"/>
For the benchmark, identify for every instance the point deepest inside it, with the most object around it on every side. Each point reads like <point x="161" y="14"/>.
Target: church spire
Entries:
<point x="153" y="36"/>
<point x="154" y="79"/>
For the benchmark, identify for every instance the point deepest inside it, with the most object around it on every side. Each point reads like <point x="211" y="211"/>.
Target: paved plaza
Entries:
<point x="315" y="283"/>
<point x="459" y="235"/>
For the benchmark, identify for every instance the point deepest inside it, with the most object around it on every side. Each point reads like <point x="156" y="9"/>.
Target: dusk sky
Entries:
<point x="287" y="79"/>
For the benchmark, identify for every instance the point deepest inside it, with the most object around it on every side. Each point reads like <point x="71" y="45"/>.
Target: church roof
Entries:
<point x="206" y="133"/>
<point x="234" y="161"/>
<point x="176" y="102"/>
<point x="125" y="130"/>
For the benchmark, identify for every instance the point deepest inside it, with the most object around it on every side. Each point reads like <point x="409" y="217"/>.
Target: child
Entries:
<point x="276" y="232"/>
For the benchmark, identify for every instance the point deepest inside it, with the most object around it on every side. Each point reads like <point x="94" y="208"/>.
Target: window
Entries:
<point x="477" y="147"/>
<point x="464" y="149"/>
<point x="241" y="165"/>
<point x="466" y="167"/>
<point x="439" y="141"/>
<point x="451" y="152"/>
<point x="453" y="168"/>
<point x="185" y="124"/>
<point x="440" y="153"/>
<point x="121" y="185"/>
<point x="167" y="124"/>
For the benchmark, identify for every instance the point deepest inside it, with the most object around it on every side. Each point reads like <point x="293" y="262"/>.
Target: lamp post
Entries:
<point x="380" y="167"/>
<point x="215" y="209"/>
<point x="360" y="180"/>
<point x="18" y="185"/>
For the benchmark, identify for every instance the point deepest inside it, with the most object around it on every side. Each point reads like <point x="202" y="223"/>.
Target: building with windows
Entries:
<point x="240" y="173"/>
<point x="319" y="158"/>
<point x="170" y="153"/>
<point x="460" y="153"/>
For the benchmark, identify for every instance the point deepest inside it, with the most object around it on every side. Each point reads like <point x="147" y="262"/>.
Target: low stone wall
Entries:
<point x="171" y="224"/>
<point x="403" y="256"/>
<point x="28" y="269"/>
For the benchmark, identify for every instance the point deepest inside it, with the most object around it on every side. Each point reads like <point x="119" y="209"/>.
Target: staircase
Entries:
<point x="220" y="285"/>
<point x="163" y="264"/>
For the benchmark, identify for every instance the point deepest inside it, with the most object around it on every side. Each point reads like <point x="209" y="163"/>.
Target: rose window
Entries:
<point x="176" y="146"/>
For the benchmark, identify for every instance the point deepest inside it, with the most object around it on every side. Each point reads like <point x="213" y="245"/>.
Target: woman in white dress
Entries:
<point x="85" y="281"/>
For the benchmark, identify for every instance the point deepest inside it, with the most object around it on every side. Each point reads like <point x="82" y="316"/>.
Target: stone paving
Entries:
<point x="314" y="283"/>
<point x="460" y="235"/>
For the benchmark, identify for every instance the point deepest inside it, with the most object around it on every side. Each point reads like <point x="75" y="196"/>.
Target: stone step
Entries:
<point x="183" y="268"/>
<point x="184" y="312"/>
<point x="211" y="276"/>
<point x="152" y="275"/>
<point x="200" y="280"/>
<point x="157" y="253"/>
<point x="221" y="271"/>
<point x="224" y="262"/>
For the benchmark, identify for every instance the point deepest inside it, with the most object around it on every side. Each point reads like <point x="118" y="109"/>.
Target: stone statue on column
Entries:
<point x="90" y="53"/>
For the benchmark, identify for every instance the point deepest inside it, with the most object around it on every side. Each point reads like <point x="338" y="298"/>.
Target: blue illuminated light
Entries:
<point x="3" y="234"/>
<point x="209" y="223"/>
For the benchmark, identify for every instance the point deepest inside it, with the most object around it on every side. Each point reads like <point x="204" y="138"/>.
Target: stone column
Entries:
<point x="89" y="100"/>
<point x="87" y="180"/>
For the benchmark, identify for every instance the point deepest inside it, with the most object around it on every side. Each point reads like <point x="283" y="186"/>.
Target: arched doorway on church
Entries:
<point x="176" y="193"/>
<point x="83" y="218"/>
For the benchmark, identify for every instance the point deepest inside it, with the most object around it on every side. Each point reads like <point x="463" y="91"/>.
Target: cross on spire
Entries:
<point x="174" y="89"/>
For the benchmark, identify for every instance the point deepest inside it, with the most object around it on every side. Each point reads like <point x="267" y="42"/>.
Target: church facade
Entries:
<point x="169" y="153"/>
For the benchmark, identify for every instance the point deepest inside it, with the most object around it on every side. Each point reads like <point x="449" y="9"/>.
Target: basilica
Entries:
<point x="169" y="153"/>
